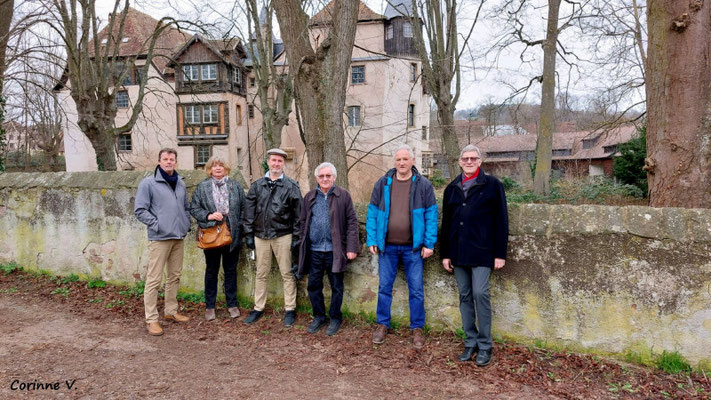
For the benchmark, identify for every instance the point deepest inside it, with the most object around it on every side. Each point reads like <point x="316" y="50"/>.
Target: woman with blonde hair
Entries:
<point x="219" y="198"/>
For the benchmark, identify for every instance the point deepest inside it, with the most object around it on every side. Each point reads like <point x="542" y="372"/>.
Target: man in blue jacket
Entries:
<point x="402" y="227"/>
<point x="162" y="204"/>
<point x="475" y="234"/>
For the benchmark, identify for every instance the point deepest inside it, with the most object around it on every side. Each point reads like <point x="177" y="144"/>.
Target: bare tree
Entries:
<point x="679" y="103"/>
<point x="96" y="70"/>
<point x="320" y="75"/>
<point x="7" y="8"/>
<point x="274" y="85"/>
<point x="441" y="67"/>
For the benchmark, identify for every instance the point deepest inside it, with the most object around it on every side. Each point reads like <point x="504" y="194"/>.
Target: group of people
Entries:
<point x="318" y="234"/>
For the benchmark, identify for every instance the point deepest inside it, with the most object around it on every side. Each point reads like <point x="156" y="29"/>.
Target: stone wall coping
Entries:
<point x="682" y="224"/>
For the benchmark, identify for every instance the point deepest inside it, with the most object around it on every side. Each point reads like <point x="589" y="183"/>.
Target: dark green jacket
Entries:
<point x="202" y="205"/>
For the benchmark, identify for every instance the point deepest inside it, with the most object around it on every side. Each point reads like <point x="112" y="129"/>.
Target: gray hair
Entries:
<point x="324" y="165"/>
<point x="403" y="146"/>
<point x="468" y="148"/>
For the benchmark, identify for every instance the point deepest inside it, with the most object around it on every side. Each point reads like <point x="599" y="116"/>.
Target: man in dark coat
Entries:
<point x="271" y="226"/>
<point x="329" y="232"/>
<point x="474" y="239"/>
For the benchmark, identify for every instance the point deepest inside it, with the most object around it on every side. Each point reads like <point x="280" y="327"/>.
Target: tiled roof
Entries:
<point x="137" y="31"/>
<point x="364" y="14"/>
<point x="398" y="8"/>
<point x="572" y="141"/>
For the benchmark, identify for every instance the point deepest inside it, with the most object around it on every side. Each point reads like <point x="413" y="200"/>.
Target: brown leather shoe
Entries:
<point x="418" y="338"/>
<point x="177" y="318"/>
<point x="379" y="334"/>
<point x="154" y="329"/>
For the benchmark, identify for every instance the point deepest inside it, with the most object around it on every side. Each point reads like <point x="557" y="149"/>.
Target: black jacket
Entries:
<point x="269" y="214"/>
<point x="202" y="205"/>
<point x="475" y="228"/>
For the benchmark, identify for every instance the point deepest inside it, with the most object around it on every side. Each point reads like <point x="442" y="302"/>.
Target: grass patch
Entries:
<point x="61" y="291"/>
<point x="70" y="278"/>
<point x="634" y="357"/>
<point x="117" y="303"/>
<point x="95" y="300"/>
<point x="460" y="333"/>
<point x="672" y="363"/>
<point x="10" y="290"/>
<point x="136" y="291"/>
<point x="192" y="297"/>
<point x="244" y="302"/>
<point x="96" y="283"/>
<point x="304" y="309"/>
<point x="10" y="267"/>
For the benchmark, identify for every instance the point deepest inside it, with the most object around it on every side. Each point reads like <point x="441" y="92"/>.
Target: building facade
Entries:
<point x="203" y="101"/>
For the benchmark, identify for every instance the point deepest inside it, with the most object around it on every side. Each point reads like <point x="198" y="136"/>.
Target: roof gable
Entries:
<point x="323" y="17"/>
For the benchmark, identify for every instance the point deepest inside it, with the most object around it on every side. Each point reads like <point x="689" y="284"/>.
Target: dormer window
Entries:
<point x="209" y="72"/>
<point x="389" y="32"/>
<point x="406" y="29"/>
<point x="190" y="72"/>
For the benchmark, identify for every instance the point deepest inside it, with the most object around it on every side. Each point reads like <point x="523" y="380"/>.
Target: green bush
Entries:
<point x="628" y="166"/>
<point x="509" y="183"/>
<point x="438" y="180"/>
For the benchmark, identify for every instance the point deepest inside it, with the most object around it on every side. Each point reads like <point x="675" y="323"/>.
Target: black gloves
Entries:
<point x="249" y="242"/>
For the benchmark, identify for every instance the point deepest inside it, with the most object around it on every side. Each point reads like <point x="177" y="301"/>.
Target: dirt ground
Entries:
<point x="96" y="339"/>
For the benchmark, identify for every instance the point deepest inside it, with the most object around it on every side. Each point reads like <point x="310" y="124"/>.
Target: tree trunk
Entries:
<point x="544" y="143"/>
<point x="679" y="104"/>
<point x="450" y="142"/>
<point x="320" y="79"/>
<point x="7" y="7"/>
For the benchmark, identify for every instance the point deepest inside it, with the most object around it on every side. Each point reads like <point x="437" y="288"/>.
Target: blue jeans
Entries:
<point x="387" y="271"/>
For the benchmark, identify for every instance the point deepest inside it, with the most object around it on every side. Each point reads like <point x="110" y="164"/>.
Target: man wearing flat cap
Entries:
<point x="271" y="226"/>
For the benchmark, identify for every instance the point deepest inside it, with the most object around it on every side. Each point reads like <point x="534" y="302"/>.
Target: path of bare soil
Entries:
<point x="97" y="337"/>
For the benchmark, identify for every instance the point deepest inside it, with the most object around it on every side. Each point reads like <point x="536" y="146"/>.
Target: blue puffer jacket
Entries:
<point x="423" y="207"/>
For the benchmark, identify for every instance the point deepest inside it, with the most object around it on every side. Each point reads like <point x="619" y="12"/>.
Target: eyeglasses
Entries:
<point x="324" y="176"/>
<point x="470" y="159"/>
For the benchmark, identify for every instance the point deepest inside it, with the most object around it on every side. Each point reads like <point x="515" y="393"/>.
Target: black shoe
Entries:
<point x="253" y="316"/>
<point x="484" y="357"/>
<point x="468" y="353"/>
<point x="333" y="327"/>
<point x="316" y="324"/>
<point x="289" y="318"/>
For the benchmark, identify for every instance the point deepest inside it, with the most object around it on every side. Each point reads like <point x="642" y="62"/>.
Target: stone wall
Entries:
<point x="594" y="278"/>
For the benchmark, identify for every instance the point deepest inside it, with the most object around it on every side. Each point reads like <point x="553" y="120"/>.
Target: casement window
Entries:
<point x="122" y="99"/>
<point x="190" y="72"/>
<point x="192" y="114"/>
<point x="209" y="114"/>
<point x="124" y="142"/>
<point x="202" y="154"/>
<point x="209" y="72"/>
<point x="237" y="76"/>
<point x="357" y="74"/>
<point x="424" y="133"/>
<point x="389" y="32"/>
<point x="354" y="116"/>
<point x="413" y="72"/>
<point x="411" y="115"/>
<point x="252" y="82"/>
<point x="250" y="110"/>
<point x="406" y="29"/>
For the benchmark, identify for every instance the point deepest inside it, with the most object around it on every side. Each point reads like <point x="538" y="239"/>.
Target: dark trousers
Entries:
<point x="322" y="261"/>
<point x="475" y="305"/>
<point x="212" y="270"/>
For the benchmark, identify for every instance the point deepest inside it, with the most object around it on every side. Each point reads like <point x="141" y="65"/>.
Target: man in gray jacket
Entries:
<point x="162" y="204"/>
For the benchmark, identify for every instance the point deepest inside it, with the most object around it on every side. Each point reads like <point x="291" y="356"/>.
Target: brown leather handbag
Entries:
<point x="214" y="237"/>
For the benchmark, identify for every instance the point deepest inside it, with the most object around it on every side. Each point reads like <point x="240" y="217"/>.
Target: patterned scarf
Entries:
<point x="220" y="195"/>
